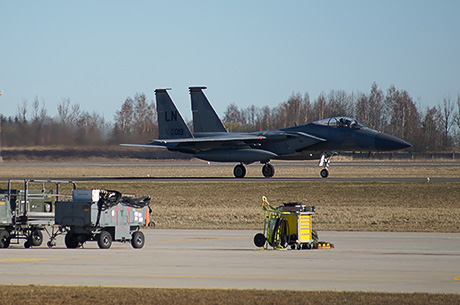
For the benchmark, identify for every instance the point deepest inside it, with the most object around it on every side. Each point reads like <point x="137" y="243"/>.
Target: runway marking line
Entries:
<point x="351" y="278"/>
<point x="38" y="259"/>
<point x="21" y="260"/>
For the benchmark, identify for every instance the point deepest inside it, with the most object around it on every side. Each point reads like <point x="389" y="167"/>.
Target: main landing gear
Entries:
<point x="267" y="170"/>
<point x="239" y="171"/>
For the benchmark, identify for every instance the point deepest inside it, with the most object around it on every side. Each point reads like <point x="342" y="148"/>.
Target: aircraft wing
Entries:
<point x="171" y="143"/>
<point x="150" y="145"/>
<point x="221" y="138"/>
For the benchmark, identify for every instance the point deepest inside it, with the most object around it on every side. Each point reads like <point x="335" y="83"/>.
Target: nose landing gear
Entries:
<point x="324" y="162"/>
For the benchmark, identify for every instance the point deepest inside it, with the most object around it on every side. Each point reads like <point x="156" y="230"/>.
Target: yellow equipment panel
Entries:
<point x="304" y="227"/>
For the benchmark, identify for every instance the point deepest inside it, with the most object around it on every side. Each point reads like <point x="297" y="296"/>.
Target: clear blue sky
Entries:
<point x="97" y="53"/>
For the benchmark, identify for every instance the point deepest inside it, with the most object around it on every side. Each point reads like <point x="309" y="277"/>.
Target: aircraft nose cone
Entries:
<point x="387" y="142"/>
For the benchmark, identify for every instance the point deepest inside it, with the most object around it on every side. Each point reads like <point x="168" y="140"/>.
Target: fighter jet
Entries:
<point x="212" y="142"/>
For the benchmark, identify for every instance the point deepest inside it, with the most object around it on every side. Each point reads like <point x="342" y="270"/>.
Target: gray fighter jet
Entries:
<point x="212" y="142"/>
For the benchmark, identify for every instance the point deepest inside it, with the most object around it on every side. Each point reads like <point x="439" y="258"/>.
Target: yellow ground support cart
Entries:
<point x="287" y="225"/>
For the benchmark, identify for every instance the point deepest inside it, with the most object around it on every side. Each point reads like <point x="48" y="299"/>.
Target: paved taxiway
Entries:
<point x="361" y="261"/>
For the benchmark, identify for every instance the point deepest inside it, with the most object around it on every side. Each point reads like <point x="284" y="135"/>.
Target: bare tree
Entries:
<point x="320" y="107"/>
<point x="447" y="120"/>
<point x="124" y="119"/>
<point x="376" y="108"/>
<point x="22" y="111"/>
<point x="432" y="130"/>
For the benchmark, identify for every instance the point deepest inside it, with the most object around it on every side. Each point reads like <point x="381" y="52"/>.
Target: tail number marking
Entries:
<point x="177" y="132"/>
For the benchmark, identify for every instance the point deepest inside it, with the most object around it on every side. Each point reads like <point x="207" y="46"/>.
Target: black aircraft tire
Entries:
<point x="324" y="173"/>
<point x="4" y="239"/>
<point x="71" y="241"/>
<point x="268" y="170"/>
<point x="239" y="171"/>
<point x="104" y="240"/>
<point x="137" y="240"/>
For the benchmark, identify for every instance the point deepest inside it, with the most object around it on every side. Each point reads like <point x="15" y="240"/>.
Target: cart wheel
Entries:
<point x="4" y="239"/>
<point x="27" y="244"/>
<point x="104" y="240"/>
<point x="71" y="241"/>
<point x="259" y="240"/>
<point x="137" y="240"/>
<point x="36" y="238"/>
<point x="51" y="244"/>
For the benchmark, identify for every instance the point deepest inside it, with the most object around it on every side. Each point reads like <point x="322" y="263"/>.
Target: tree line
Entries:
<point x="429" y="129"/>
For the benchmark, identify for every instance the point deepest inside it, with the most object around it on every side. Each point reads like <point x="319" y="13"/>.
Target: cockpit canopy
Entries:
<point x="341" y="122"/>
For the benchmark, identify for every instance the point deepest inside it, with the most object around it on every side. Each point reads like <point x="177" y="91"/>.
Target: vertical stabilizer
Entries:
<point x="205" y="119"/>
<point x="171" y="125"/>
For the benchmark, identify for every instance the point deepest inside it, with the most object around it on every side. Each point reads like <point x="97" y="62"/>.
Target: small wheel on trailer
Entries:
<point x="51" y="243"/>
<point x="259" y="240"/>
<point x="71" y="241"/>
<point x="4" y="239"/>
<point x="104" y="240"/>
<point x="36" y="238"/>
<point x="137" y="240"/>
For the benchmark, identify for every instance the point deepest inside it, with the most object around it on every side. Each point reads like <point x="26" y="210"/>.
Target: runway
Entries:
<point x="361" y="261"/>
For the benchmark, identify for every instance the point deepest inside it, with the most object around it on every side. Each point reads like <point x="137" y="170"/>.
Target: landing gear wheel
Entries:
<point x="259" y="240"/>
<point x="104" y="240"/>
<point x="268" y="170"/>
<point x="137" y="240"/>
<point x="36" y="238"/>
<point x="4" y="239"/>
<point x="239" y="171"/>
<point x="71" y="241"/>
<point x="324" y="173"/>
